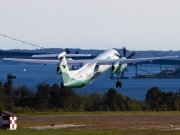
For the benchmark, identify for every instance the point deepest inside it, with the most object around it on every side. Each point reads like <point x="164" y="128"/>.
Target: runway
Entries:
<point x="104" y="120"/>
<point x="55" y="126"/>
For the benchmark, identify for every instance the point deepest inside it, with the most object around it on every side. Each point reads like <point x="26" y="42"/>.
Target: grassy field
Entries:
<point x="89" y="132"/>
<point x="100" y="123"/>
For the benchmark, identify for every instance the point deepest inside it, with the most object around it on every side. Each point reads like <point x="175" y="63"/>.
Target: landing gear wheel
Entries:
<point x="62" y="86"/>
<point x="118" y="84"/>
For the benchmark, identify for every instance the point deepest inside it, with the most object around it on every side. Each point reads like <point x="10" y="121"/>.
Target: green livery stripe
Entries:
<point x="76" y="83"/>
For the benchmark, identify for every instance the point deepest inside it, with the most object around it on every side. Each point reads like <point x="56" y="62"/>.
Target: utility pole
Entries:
<point x="10" y="77"/>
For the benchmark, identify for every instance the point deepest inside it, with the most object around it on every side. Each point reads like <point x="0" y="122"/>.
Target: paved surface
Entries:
<point x="133" y="120"/>
<point x="54" y="126"/>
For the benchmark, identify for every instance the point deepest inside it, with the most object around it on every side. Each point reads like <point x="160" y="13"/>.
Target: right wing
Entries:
<point x="98" y="61"/>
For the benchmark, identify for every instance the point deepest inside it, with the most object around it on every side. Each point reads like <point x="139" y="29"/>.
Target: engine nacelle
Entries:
<point x="116" y="68"/>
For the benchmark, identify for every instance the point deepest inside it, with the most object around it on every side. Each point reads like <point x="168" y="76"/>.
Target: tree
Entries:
<point x="121" y="102"/>
<point x="154" y="99"/>
<point x="56" y="96"/>
<point x="2" y="98"/>
<point x="93" y="102"/>
<point x="43" y="98"/>
<point x="23" y="97"/>
<point x="132" y="105"/>
<point x="65" y="98"/>
<point x="112" y="99"/>
<point x="161" y="101"/>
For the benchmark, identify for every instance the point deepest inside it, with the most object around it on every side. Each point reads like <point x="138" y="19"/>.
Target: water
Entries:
<point x="134" y="88"/>
<point x="33" y="74"/>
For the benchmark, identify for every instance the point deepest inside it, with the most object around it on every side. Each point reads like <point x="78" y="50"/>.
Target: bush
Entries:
<point x="2" y="107"/>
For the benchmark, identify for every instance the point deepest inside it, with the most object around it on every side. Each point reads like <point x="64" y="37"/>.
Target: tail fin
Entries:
<point x="65" y="70"/>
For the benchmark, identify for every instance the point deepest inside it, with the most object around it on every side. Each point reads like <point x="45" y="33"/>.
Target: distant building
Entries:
<point x="8" y="120"/>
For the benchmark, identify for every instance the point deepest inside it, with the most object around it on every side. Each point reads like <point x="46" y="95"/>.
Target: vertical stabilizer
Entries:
<point x="64" y="68"/>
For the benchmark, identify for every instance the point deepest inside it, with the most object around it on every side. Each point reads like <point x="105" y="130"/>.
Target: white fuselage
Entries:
<point x="91" y="70"/>
<point x="108" y="54"/>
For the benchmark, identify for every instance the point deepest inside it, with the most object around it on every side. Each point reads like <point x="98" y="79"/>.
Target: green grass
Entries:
<point x="125" y="113"/>
<point x="161" y="117"/>
<point x="89" y="132"/>
<point x="97" y="124"/>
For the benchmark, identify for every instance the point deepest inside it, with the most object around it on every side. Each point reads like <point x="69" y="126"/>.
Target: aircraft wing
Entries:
<point x="133" y="61"/>
<point x="121" y="61"/>
<point x="38" y="61"/>
<point x="56" y="55"/>
<point x="98" y="61"/>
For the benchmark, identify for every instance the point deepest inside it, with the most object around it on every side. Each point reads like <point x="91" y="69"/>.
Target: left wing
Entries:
<point x="98" y="61"/>
<point x="38" y="61"/>
<point x="56" y="55"/>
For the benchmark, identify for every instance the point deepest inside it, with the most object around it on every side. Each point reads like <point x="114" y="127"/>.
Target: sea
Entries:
<point x="31" y="75"/>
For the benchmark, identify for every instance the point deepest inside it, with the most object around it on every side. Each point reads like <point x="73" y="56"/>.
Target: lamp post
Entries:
<point x="10" y="77"/>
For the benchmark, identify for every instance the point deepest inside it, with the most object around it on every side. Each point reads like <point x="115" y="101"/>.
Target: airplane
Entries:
<point x="90" y="68"/>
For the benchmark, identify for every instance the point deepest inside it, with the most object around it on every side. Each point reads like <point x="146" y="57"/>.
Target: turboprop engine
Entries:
<point x="118" y="68"/>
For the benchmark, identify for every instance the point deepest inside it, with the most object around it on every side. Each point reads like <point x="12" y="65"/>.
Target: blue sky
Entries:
<point x="91" y="24"/>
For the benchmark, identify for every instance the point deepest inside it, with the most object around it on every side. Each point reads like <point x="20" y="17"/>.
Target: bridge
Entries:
<point x="27" y="54"/>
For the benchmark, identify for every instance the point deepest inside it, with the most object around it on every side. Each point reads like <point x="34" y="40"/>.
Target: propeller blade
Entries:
<point x="67" y="51"/>
<point x="131" y="55"/>
<point x="77" y="52"/>
<point x="117" y="55"/>
<point x="124" y="51"/>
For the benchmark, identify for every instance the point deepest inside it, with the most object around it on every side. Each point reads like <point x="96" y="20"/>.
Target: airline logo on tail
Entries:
<point x="64" y="66"/>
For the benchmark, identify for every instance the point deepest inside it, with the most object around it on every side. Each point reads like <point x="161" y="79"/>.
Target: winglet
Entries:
<point x="61" y="55"/>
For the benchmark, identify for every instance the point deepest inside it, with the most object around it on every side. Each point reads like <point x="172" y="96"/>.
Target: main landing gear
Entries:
<point x="118" y="83"/>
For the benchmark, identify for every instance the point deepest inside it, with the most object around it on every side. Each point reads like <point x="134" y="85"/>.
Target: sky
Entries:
<point x="91" y="24"/>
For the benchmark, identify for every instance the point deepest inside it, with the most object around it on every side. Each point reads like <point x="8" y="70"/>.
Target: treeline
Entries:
<point x="53" y="98"/>
<point x="156" y="100"/>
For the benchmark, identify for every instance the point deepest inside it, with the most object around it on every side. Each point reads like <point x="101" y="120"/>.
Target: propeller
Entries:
<point x="124" y="54"/>
<point x="68" y="52"/>
<point x="124" y="51"/>
<point x="131" y="55"/>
